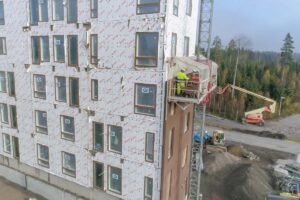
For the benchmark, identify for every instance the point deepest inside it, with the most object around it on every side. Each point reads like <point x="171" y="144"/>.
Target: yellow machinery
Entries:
<point x="254" y="116"/>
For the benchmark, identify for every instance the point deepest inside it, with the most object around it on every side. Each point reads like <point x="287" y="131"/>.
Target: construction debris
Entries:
<point x="240" y="151"/>
<point x="218" y="161"/>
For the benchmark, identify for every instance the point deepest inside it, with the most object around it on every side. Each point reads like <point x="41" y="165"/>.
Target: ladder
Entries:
<point x="196" y="164"/>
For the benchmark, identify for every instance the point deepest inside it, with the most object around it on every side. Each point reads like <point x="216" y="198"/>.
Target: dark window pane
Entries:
<point x="98" y="137"/>
<point x="59" y="49"/>
<point x="2" y="21"/>
<point x="2" y="82"/>
<point x="115" y="139"/>
<point x="58" y="10"/>
<point x="94" y="90"/>
<point x="99" y="175"/>
<point x="115" y="179"/>
<point x="73" y="50"/>
<point x="35" y="41"/>
<point x="146" y="49"/>
<point x="149" y="147"/>
<point x="74" y="92"/>
<point x="148" y="6"/>
<point x="72" y="11"/>
<point x="34" y="18"/>
<point x="94" y="8"/>
<point x="43" y="10"/>
<point x="2" y="46"/>
<point x="45" y="54"/>
<point x="13" y="117"/>
<point x="11" y="84"/>
<point x="61" y="90"/>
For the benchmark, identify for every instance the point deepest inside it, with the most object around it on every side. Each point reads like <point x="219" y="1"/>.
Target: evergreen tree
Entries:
<point x="286" y="58"/>
<point x="216" y="51"/>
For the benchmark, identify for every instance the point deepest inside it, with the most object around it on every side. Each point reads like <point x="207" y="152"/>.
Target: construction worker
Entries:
<point x="181" y="78"/>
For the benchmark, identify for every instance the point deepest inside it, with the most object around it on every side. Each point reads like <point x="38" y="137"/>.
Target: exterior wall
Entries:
<point x="116" y="26"/>
<point x="175" y="119"/>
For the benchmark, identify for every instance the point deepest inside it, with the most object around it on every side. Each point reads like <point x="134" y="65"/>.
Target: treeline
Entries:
<point x="275" y="75"/>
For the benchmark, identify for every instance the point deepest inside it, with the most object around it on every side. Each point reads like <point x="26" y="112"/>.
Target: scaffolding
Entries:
<point x="204" y="42"/>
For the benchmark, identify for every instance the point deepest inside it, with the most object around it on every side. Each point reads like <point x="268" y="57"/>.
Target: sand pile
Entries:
<point x="218" y="161"/>
<point x="248" y="182"/>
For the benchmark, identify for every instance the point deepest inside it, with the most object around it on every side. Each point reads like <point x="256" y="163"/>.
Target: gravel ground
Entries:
<point x="11" y="191"/>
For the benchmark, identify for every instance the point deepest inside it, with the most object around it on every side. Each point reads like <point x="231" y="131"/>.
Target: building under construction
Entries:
<point x="90" y="104"/>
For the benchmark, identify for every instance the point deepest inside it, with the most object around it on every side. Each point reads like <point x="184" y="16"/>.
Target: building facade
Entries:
<point x="84" y="99"/>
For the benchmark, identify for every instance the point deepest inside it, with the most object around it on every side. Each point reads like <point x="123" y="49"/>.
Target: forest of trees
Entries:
<point x="271" y="74"/>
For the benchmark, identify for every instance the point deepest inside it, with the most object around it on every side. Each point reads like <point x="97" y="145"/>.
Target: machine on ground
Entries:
<point x="253" y="116"/>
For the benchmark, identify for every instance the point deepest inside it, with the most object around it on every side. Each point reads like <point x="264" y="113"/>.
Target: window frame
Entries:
<point x="56" y="90"/>
<point x="108" y="180"/>
<point x="136" y="50"/>
<point x="4" y="143"/>
<point x="148" y="160"/>
<point x="37" y="127"/>
<point x="63" y="168"/>
<point x="94" y="175"/>
<point x="4" y="82"/>
<point x="92" y="57"/>
<point x="55" y="51"/>
<point x="176" y="8"/>
<point x="135" y="100"/>
<point x="186" y="46"/>
<point x="2" y="19"/>
<point x="77" y="51"/>
<point x="146" y="197"/>
<point x="70" y="92"/>
<point x="174" y="48"/>
<point x="93" y="96"/>
<point x="62" y="131"/>
<point x="96" y="10"/>
<point x="16" y="153"/>
<point x="8" y="115"/>
<point x="189" y="7"/>
<point x="11" y="85"/>
<point x="53" y="11"/>
<point x="94" y="136"/>
<point x="34" y="87"/>
<point x="11" y="118"/>
<point x="108" y="140"/>
<point x="138" y="4"/>
<point x="41" y="160"/>
<point x="67" y="7"/>
<point x="3" y="51"/>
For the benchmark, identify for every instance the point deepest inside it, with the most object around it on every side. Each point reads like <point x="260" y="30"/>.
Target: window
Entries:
<point x="2" y="81"/>
<point x="171" y="143"/>
<point x="2" y="46"/>
<point x="67" y="128"/>
<point x="4" y="113"/>
<point x="98" y="136"/>
<point x="149" y="149"/>
<point x="98" y="175"/>
<point x="189" y="6"/>
<point x="148" y="191"/>
<point x="6" y="143"/>
<point x="74" y="91"/>
<point x="39" y="86"/>
<point x="175" y="7"/>
<point x="173" y="44"/>
<point x="59" y="48"/>
<point x="94" y="49"/>
<point x="13" y="117"/>
<point x="148" y="6"/>
<point x="72" y="11"/>
<point x="145" y="99"/>
<point x="43" y="155"/>
<point x="40" y="49"/>
<point x="146" y="49"/>
<point x="2" y="21"/>
<point x="69" y="164"/>
<point x="11" y="84"/>
<point x="16" y="150"/>
<point x="94" y="8"/>
<point x="73" y="50"/>
<point x="184" y="157"/>
<point x="41" y="122"/>
<point x="186" y="122"/>
<point x="186" y="46"/>
<point x="115" y="139"/>
<point x="38" y="11"/>
<point x="60" y="89"/>
<point x="94" y="91"/>
<point x="58" y="10"/>
<point x="115" y="179"/>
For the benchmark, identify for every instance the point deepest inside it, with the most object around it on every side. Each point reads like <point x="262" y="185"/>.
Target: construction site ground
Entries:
<point x="230" y="176"/>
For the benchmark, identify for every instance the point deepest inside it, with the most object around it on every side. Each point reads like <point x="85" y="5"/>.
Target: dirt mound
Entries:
<point x="218" y="161"/>
<point x="248" y="182"/>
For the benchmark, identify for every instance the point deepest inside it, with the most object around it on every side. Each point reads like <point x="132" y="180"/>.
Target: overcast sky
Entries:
<point x="265" y="22"/>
